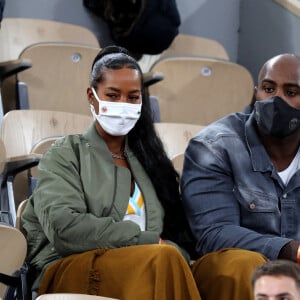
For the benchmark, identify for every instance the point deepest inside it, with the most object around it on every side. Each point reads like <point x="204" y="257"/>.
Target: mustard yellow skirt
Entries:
<point x="147" y="272"/>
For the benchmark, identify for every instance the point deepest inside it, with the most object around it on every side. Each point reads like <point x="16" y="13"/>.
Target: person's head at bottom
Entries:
<point x="277" y="280"/>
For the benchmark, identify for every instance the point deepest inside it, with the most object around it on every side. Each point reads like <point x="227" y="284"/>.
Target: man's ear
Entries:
<point x="253" y="100"/>
<point x="255" y="92"/>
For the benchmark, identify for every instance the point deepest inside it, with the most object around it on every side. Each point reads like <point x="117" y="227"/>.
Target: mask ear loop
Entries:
<point x="93" y="112"/>
<point x="95" y="95"/>
<point x="92" y="106"/>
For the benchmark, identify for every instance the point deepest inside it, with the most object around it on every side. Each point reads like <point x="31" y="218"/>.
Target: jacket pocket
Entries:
<point x="255" y="201"/>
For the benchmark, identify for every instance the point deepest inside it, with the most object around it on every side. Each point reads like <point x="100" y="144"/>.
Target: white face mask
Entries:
<point x="116" y="118"/>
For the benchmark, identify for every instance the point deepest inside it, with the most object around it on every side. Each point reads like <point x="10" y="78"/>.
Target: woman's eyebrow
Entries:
<point x="118" y="90"/>
<point x="135" y="91"/>
<point x="112" y="88"/>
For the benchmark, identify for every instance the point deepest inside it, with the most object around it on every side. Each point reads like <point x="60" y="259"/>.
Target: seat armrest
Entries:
<point x="21" y="163"/>
<point x="151" y="78"/>
<point x="13" y="67"/>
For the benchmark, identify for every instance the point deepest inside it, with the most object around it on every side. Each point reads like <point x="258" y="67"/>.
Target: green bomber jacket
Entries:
<point x="81" y="198"/>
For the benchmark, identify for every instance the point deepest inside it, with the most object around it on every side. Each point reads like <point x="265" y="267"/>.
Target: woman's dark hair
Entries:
<point x="112" y="58"/>
<point x="147" y="147"/>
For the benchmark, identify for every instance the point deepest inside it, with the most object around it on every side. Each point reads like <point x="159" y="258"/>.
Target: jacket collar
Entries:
<point x="97" y="142"/>
<point x="260" y="160"/>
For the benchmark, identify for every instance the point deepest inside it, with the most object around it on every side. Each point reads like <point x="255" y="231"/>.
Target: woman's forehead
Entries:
<point x="121" y="74"/>
<point x="122" y="79"/>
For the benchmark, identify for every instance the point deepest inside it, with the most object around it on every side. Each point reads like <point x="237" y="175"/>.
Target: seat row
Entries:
<point x="199" y="83"/>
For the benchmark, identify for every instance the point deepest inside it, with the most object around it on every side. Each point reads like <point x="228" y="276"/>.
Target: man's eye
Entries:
<point x="291" y="93"/>
<point x="268" y="90"/>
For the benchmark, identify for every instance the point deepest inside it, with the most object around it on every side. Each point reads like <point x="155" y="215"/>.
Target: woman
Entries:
<point x="106" y="206"/>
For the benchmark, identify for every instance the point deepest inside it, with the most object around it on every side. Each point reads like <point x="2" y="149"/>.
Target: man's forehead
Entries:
<point x="283" y="70"/>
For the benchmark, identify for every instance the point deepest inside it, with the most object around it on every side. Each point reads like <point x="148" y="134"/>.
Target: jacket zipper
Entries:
<point x="114" y="193"/>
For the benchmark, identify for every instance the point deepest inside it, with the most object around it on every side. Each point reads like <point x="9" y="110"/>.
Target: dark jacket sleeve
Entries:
<point x="2" y="4"/>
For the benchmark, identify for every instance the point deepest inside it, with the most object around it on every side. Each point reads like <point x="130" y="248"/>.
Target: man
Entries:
<point x="241" y="185"/>
<point x="275" y="280"/>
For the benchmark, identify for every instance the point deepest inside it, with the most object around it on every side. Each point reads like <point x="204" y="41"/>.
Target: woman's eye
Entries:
<point x="134" y="98"/>
<point x="112" y="96"/>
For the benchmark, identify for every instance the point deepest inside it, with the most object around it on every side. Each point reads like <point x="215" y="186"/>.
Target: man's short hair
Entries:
<point x="279" y="267"/>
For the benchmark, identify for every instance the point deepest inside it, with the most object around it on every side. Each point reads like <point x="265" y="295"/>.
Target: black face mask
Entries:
<point x="276" y="118"/>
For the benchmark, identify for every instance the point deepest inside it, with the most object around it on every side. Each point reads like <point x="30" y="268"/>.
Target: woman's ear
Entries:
<point x="90" y="95"/>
